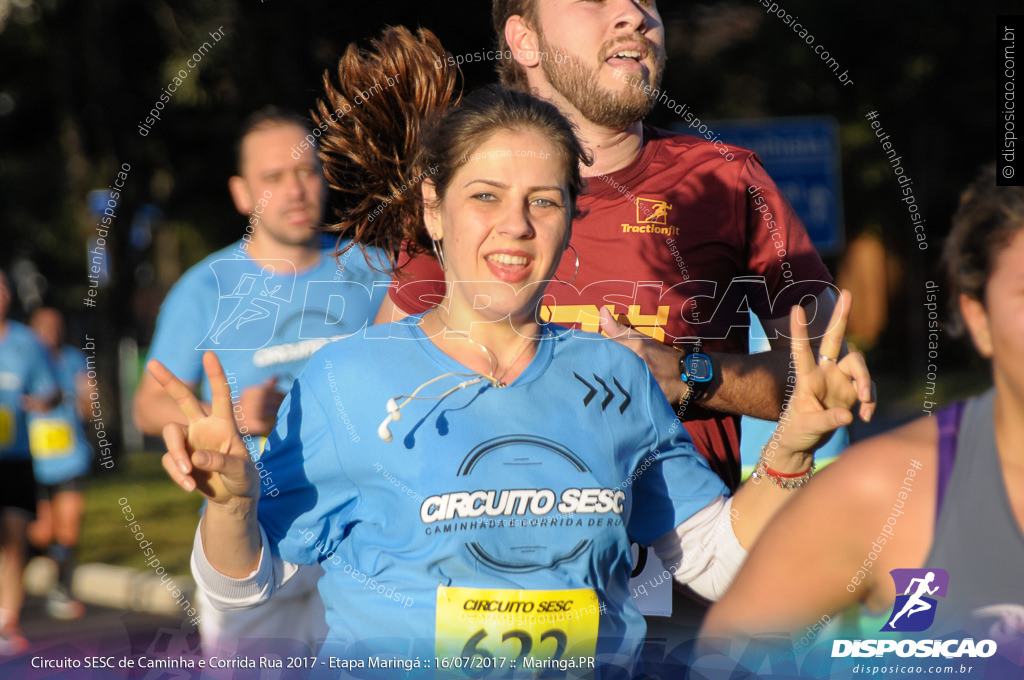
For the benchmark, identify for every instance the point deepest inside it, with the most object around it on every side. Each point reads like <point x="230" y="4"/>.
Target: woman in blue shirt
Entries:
<point x="470" y="478"/>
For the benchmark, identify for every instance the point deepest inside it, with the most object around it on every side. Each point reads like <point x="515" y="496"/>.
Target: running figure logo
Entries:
<point x="652" y="211"/>
<point x="248" y="303"/>
<point x="914" y="610"/>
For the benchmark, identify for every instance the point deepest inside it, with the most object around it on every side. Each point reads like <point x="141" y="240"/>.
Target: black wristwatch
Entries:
<point x="696" y="371"/>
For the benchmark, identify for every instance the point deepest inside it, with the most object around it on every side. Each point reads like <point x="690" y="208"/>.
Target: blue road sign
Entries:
<point x="802" y="156"/>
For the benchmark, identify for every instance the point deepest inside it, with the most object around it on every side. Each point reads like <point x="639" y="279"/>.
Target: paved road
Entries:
<point x="102" y="632"/>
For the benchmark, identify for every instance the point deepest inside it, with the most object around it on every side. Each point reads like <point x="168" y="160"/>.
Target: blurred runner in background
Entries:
<point x="27" y="383"/>
<point x="61" y="455"/>
<point x="264" y="305"/>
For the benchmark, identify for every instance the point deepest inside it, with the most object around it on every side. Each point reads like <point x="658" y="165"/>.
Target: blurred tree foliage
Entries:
<point x="79" y="77"/>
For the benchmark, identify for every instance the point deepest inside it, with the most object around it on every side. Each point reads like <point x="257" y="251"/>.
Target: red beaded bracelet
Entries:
<point x="782" y="480"/>
<point x="776" y="473"/>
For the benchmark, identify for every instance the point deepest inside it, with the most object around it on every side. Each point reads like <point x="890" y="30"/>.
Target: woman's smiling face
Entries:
<point x="504" y="222"/>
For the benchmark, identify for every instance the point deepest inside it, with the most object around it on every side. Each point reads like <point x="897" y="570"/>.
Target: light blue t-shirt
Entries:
<point x="267" y="320"/>
<point x="60" y="449"/>
<point x="539" y="485"/>
<point x="24" y="369"/>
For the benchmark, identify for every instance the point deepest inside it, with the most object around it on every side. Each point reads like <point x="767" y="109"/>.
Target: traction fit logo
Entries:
<point x="915" y="609"/>
<point x="652" y="216"/>
<point x="652" y="211"/>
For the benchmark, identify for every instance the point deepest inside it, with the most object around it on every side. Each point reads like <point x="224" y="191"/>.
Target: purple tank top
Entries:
<point x="949" y="425"/>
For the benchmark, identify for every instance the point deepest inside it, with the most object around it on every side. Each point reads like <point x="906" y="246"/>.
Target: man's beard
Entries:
<point x="575" y="81"/>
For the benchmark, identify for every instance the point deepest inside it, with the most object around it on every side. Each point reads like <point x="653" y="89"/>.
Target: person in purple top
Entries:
<point x="942" y="495"/>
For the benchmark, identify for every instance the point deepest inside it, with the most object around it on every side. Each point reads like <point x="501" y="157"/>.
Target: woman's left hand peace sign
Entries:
<point x="825" y="388"/>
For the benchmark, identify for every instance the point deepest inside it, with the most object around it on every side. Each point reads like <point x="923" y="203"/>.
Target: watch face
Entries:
<point x="698" y="368"/>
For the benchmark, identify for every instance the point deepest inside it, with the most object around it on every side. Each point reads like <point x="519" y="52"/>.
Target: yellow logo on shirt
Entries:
<point x="652" y="218"/>
<point x="651" y="211"/>
<point x="588" y="319"/>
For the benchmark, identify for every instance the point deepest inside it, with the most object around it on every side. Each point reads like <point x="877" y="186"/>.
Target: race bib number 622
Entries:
<point x="507" y="629"/>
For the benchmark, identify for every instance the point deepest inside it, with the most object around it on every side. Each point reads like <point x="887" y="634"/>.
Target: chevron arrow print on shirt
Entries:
<point x="609" y="395"/>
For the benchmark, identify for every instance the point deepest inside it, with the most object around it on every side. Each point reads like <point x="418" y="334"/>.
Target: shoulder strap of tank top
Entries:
<point x="949" y="423"/>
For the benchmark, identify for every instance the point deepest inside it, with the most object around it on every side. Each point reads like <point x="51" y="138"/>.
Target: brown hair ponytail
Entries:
<point x="373" y="121"/>
<point x="395" y="120"/>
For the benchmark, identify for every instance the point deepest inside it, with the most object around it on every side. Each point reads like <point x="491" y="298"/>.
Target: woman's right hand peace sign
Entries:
<point x="208" y="454"/>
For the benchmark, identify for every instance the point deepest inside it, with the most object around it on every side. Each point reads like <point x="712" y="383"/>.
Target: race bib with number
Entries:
<point x="6" y="427"/>
<point x="501" y="630"/>
<point x="50" y="438"/>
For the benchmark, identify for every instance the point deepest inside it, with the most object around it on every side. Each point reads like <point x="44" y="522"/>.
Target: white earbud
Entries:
<point x="383" y="432"/>
<point x="394" y="410"/>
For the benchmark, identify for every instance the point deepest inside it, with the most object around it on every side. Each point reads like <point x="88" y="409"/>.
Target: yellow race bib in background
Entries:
<point x="50" y="437"/>
<point x="6" y="427"/>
